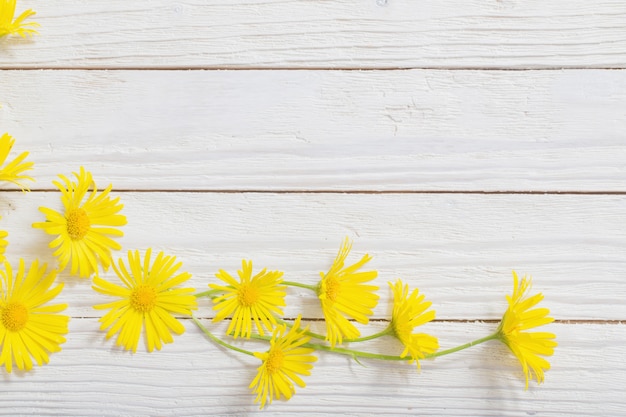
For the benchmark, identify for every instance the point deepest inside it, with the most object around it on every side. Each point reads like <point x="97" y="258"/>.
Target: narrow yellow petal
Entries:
<point x="145" y="301"/>
<point x="30" y="329"/>
<point x="528" y="347"/>
<point x="84" y="231"/>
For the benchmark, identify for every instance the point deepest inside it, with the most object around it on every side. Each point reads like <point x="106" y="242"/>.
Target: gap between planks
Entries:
<point x="493" y="321"/>
<point x="261" y="191"/>
<point x="365" y="69"/>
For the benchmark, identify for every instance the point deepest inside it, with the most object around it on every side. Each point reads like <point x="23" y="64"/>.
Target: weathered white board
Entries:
<point x="427" y="131"/>
<point x="324" y="130"/>
<point x="458" y="249"/>
<point x="193" y="377"/>
<point x="323" y="34"/>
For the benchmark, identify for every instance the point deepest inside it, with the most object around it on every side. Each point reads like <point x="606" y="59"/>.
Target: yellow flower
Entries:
<point x="254" y="298"/>
<point x="9" y="26"/>
<point x="282" y="363"/>
<point x="409" y="311"/>
<point x="3" y="244"/>
<point x="13" y="170"/>
<point x="520" y="316"/>
<point x="148" y="300"/>
<point x="343" y="293"/>
<point x="82" y="232"/>
<point x="29" y="329"/>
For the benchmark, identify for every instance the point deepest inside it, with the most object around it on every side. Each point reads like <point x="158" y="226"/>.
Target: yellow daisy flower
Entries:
<point x="3" y="244"/>
<point x="254" y="298"/>
<point x="343" y="293"/>
<point x="282" y="363"/>
<point x="9" y="26"/>
<point x="29" y="329"/>
<point x="148" y="300"/>
<point x="409" y="311"/>
<point x="83" y="230"/>
<point x="12" y="172"/>
<point x="520" y="316"/>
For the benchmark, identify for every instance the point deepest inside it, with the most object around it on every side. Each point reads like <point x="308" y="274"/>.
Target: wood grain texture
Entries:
<point x="320" y="130"/>
<point x="322" y="34"/>
<point x="457" y="249"/>
<point x="193" y="377"/>
<point x="443" y="147"/>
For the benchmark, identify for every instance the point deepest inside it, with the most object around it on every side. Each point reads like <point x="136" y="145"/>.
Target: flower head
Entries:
<point x="9" y="26"/>
<point x="29" y="329"/>
<point x="282" y="363"/>
<point x="148" y="300"/>
<point x="521" y="316"/>
<point x="343" y="293"/>
<point x="83" y="230"/>
<point x="254" y="298"/>
<point x="12" y="172"/>
<point x="409" y="311"/>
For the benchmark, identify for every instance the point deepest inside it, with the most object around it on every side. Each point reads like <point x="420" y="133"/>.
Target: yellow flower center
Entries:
<point x="14" y="316"/>
<point x="77" y="223"/>
<point x="248" y="295"/>
<point x="143" y="298"/>
<point x="274" y="361"/>
<point x="333" y="288"/>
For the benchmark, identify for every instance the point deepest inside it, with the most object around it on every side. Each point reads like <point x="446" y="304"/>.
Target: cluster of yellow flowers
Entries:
<point x="149" y="299"/>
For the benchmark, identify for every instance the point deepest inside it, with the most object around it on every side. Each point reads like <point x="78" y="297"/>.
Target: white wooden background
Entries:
<point x="453" y="140"/>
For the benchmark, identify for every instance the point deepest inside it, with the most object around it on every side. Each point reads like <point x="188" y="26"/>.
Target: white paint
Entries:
<point x="328" y="34"/>
<point x="431" y="130"/>
<point x="324" y="130"/>
<point x="192" y="376"/>
<point x="458" y="249"/>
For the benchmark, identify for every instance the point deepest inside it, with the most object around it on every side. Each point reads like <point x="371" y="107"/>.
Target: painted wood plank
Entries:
<point x="194" y="377"/>
<point x="458" y="249"/>
<point x="321" y="130"/>
<point x="328" y="34"/>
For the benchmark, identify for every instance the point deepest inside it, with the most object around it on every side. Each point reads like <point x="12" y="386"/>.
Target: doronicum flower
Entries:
<point x="29" y="329"/>
<point x="147" y="300"/>
<point x="13" y="171"/>
<point x="409" y="311"/>
<point x="528" y="347"/>
<point x="84" y="228"/>
<point x="344" y="294"/>
<point x="282" y="364"/>
<point x="8" y="26"/>
<point x="253" y="298"/>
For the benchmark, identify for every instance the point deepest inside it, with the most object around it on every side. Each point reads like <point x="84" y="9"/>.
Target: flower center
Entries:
<point x="143" y="298"/>
<point x="275" y="361"/>
<point x="248" y="295"/>
<point x="77" y="223"/>
<point x="333" y="288"/>
<point x="14" y="316"/>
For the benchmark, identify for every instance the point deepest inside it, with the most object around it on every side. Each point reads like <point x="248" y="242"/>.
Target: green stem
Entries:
<point x="308" y="333"/>
<point x="461" y="347"/>
<point x="217" y="340"/>
<point x="361" y="354"/>
<point x="355" y="353"/>
<point x="314" y="335"/>
<point x="341" y="351"/>
<point x="208" y="293"/>
<point x="297" y="284"/>
<point x="382" y="333"/>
